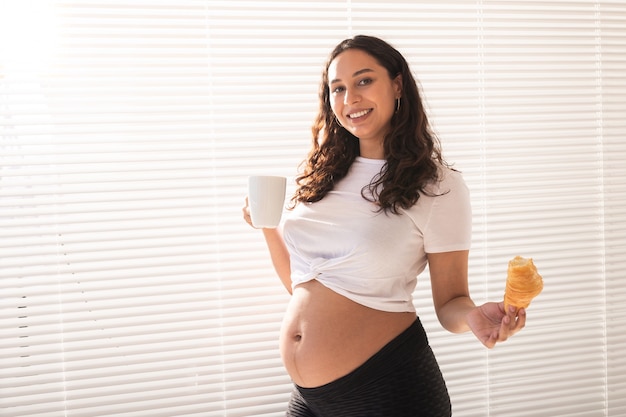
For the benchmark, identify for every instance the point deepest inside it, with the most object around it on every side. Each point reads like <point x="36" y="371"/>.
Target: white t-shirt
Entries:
<point x="371" y="257"/>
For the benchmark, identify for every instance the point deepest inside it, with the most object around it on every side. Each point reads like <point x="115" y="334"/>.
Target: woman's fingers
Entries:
<point x="513" y="322"/>
<point x="246" y="212"/>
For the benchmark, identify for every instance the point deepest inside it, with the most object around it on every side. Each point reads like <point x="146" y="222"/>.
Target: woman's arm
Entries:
<point x="277" y="248"/>
<point x="456" y="310"/>
<point x="450" y="289"/>
<point x="279" y="255"/>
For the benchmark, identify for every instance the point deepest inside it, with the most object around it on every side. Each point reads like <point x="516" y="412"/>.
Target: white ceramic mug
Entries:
<point x="266" y="199"/>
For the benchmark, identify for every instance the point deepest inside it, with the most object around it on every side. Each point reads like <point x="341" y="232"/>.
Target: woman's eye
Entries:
<point x="337" y="90"/>
<point x="365" y="81"/>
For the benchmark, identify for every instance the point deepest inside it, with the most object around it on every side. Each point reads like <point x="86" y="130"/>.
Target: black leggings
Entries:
<point x="403" y="379"/>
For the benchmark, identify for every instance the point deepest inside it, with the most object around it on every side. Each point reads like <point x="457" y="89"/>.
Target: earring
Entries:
<point x="397" y="104"/>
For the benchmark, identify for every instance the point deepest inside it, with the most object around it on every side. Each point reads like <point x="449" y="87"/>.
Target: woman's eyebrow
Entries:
<point x="356" y="74"/>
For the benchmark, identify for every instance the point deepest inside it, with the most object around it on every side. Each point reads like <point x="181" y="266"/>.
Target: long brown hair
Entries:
<point x="412" y="152"/>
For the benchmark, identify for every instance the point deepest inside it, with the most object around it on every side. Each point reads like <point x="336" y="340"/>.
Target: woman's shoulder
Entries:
<point x="448" y="179"/>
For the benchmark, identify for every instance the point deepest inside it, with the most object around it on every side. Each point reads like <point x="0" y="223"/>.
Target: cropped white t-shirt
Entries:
<point x="371" y="257"/>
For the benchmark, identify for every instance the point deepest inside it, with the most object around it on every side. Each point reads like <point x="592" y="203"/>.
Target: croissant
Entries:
<point x="523" y="283"/>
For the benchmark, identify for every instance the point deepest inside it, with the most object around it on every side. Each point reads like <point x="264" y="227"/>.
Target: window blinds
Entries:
<point x="131" y="286"/>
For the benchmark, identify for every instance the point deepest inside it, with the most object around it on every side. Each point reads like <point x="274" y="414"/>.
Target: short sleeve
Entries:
<point x="449" y="227"/>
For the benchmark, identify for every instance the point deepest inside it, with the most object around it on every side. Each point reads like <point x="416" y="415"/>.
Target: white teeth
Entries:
<point x="359" y="114"/>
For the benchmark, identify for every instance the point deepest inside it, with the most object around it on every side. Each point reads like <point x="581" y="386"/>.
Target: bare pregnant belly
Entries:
<point x="325" y="336"/>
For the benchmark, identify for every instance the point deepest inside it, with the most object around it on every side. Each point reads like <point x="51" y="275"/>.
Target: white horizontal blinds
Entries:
<point x="31" y="331"/>
<point x="544" y="200"/>
<point x="111" y="249"/>
<point x="613" y="50"/>
<point x="441" y="41"/>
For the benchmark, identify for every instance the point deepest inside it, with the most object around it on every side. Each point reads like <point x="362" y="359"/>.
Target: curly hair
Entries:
<point x="412" y="152"/>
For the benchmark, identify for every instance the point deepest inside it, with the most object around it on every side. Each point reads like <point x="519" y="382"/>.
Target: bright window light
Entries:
<point x="27" y="33"/>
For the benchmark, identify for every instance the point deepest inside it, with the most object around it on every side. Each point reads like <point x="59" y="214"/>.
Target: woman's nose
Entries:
<point x="351" y="96"/>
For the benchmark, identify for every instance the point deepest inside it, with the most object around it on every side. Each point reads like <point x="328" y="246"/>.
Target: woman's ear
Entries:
<point x="397" y="83"/>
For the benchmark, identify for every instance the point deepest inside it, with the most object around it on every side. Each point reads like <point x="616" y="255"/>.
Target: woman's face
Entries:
<point x="363" y="97"/>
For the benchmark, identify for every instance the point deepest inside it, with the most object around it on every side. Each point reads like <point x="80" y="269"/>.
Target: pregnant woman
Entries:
<point x="374" y="204"/>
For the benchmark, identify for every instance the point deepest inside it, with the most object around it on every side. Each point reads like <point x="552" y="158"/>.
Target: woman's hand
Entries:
<point x="246" y="213"/>
<point x="491" y="324"/>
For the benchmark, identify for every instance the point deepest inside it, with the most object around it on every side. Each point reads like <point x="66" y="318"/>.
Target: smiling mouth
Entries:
<point x="359" y="114"/>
